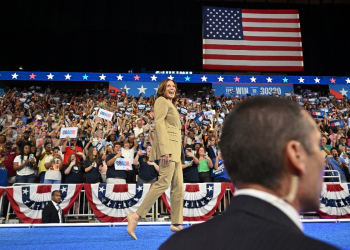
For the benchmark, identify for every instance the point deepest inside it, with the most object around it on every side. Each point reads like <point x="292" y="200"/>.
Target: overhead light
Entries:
<point x="20" y="67"/>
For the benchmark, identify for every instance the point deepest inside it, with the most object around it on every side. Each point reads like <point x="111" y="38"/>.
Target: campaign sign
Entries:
<point x="120" y="104"/>
<point x="122" y="164"/>
<point x="127" y="113"/>
<point x="26" y="106"/>
<point x="71" y="132"/>
<point x="208" y="113"/>
<point x="121" y="108"/>
<point x="219" y="171"/>
<point x="129" y="109"/>
<point x="242" y="89"/>
<point x="118" y="114"/>
<point x="324" y="109"/>
<point x="337" y="123"/>
<point x="318" y="114"/>
<point x="206" y="122"/>
<point x="104" y="114"/>
<point x="219" y="121"/>
<point x="183" y="111"/>
<point x="191" y="115"/>
<point x="228" y="102"/>
<point x="190" y="101"/>
<point x="141" y="106"/>
<point x="148" y="109"/>
<point x="218" y="103"/>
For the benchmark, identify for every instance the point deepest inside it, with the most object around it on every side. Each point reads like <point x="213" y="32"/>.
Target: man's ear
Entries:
<point x="295" y="157"/>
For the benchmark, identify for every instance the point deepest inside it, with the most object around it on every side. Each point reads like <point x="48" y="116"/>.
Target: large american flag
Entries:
<point x="255" y="40"/>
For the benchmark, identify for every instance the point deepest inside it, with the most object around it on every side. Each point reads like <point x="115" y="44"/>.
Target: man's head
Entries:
<point x="8" y="145"/>
<point x="73" y="141"/>
<point x="139" y="123"/>
<point x="191" y="134"/>
<point x="342" y="140"/>
<point x="323" y="140"/>
<point x="334" y="151"/>
<point x="211" y="141"/>
<point x="56" y="196"/>
<point x="284" y="143"/>
<point x="26" y="134"/>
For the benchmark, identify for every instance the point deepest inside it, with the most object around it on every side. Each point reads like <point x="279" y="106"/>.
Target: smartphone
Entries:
<point x="143" y="151"/>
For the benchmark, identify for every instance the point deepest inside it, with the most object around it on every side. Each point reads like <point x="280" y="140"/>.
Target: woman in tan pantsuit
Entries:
<point x="166" y="147"/>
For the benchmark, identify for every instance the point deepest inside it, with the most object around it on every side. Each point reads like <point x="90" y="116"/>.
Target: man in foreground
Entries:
<point x="52" y="212"/>
<point x="278" y="175"/>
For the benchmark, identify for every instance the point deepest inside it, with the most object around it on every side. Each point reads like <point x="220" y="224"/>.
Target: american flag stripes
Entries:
<point x="259" y="40"/>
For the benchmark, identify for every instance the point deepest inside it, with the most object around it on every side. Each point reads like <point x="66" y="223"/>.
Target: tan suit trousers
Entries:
<point x="171" y="174"/>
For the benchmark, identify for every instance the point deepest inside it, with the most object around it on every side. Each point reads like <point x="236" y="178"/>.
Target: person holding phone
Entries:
<point x="24" y="164"/>
<point x="53" y="165"/>
<point x="190" y="166"/>
<point x="148" y="170"/>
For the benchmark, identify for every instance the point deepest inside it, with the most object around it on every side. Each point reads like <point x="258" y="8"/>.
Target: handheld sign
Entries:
<point x="218" y="103"/>
<point x="206" y="122"/>
<point x="129" y="109"/>
<point x="71" y="132"/>
<point x="118" y="114"/>
<point x="120" y="104"/>
<point x="127" y="113"/>
<point x="199" y="118"/>
<point x="189" y="100"/>
<point x="324" y="109"/>
<point x="95" y="108"/>
<point x="229" y="102"/>
<point x="141" y="106"/>
<point x="318" y="114"/>
<point x="219" y="121"/>
<point x="208" y="105"/>
<point x="337" y="123"/>
<point x="122" y="164"/>
<point x="104" y="114"/>
<point x="183" y="111"/>
<point x="148" y="109"/>
<point x="191" y="115"/>
<point x="208" y="114"/>
<point x="121" y="108"/>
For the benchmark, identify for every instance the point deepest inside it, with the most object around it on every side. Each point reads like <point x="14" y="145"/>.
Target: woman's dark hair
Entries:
<point x="21" y="151"/>
<point x="56" y="148"/>
<point x="197" y="153"/>
<point x="109" y="137"/>
<point x="162" y="88"/>
<point x="93" y="158"/>
<point x="145" y="157"/>
<point x="4" y="137"/>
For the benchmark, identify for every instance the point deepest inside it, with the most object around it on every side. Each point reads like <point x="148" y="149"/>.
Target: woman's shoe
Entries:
<point x="131" y="225"/>
<point x="175" y="229"/>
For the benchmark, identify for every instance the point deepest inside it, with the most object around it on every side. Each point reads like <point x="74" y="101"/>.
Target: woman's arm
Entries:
<point x="88" y="166"/>
<point x="16" y="165"/>
<point x="136" y="159"/>
<point x="210" y="163"/>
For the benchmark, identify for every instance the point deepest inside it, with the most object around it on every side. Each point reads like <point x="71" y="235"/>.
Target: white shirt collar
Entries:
<point x="286" y="208"/>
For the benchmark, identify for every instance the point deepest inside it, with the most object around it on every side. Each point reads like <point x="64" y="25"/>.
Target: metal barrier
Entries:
<point x="332" y="176"/>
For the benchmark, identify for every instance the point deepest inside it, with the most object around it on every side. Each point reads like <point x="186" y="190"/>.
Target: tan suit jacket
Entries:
<point x="167" y="136"/>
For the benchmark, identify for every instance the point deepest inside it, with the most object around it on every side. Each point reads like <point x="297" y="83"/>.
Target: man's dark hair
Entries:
<point x="56" y="148"/>
<point x="53" y="192"/>
<point x="254" y="138"/>
<point x="334" y="149"/>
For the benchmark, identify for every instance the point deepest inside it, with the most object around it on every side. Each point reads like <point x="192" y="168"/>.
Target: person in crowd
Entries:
<point x="42" y="169"/>
<point x="52" y="212"/>
<point x="115" y="176"/>
<point x="204" y="165"/>
<point x="219" y="173"/>
<point x="211" y="149"/>
<point x="342" y="143"/>
<point x="2" y="141"/>
<point x="324" y="146"/>
<point x="71" y="149"/>
<point x="281" y="184"/>
<point x="190" y="166"/>
<point x="339" y="164"/>
<point x="83" y="141"/>
<point x="93" y="166"/>
<point x="128" y="152"/>
<point x="190" y="137"/>
<point x="25" y="139"/>
<point x="138" y="129"/>
<point x="148" y="170"/>
<point x="9" y="154"/>
<point x="24" y="164"/>
<point x="53" y="165"/>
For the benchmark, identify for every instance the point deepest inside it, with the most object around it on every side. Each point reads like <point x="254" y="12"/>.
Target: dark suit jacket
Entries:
<point x="211" y="152"/>
<point x="82" y="144"/>
<point x="248" y="223"/>
<point x="50" y="214"/>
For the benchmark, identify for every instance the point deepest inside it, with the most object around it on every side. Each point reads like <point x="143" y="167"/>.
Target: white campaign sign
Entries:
<point x="191" y="115"/>
<point x="208" y="113"/>
<point x="104" y="114"/>
<point x="122" y="164"/>
<point x="71" y="132"/>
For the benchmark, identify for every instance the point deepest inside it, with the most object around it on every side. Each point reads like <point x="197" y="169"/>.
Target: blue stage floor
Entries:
<point x="149" y="237"/>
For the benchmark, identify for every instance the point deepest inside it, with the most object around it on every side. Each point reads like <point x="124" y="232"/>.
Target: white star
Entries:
<point x="204" y="79"/>
<point x="170" y="77"/>
<point x="269" y="79"/>
<point x="156" y="89"/>
<point x="317" y="80"/>
<point x="103" y="77"/>
<point x="64" y="189"/>
<point x="120" y="77"/>
<point x="109" y="203"/>
<point x="252" y="79"/>
<point x="142" y="89"/>
<point x="101" y="189"/>
<point x="221" y="79"/>
<point x="14" y="76"/>
<point x="301" y="80"/>
<point x="136" y="199"/>
<point x="343" y="91"/>
<point x="50" y="76"/>
<point x="68" y="76"/>
<point x="154" y="78"/>
<point x="186" y="204"/>
<point x="25" y="191"/>
<point x="347" y="80"/>
<point x="139" y="189"/>
<point x="210" y="188"/>
<point x="126" y="89"/>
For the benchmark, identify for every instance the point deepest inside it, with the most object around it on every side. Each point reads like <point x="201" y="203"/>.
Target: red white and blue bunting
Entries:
<point x="113" y="202"/>
<point x="200" y="200"/>
<point x="335" y="201"/>
<point x="28" y="202"/>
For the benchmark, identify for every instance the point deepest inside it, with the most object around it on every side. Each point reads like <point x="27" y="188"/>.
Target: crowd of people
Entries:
<point x="32" y="150"/>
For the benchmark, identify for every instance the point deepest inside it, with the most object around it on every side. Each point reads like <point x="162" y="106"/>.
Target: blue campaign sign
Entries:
<point x="334" y="124"/>
<point x="135" y="88"/>
<point x="318" y="114"/>
<point x="231" y="89"/>
<point x="339" y="91"/>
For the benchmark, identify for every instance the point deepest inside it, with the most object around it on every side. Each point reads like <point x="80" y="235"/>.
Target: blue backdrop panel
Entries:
<point x="339" y="90"/>
<point x="135" y="88"/>
<point x="253" y="89"/>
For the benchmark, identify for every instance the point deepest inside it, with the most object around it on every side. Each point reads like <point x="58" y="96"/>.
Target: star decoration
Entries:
<point x="221" y="79"/>
<point x="236" y="79"/>
<point x="317" y="80"/>
<point x="210" y="188"/>
<point x="137" y="78"/>
<point x="347" y="80"/>
<point x="269" y="79"/>
<point x="126" y="89"/>
<point x="142" y="90"/>
<point x="187" y="78"/>
<point x="156" y="89"/>
<point x="252" y="79"/>
<point x="103" y="77"/>
<point x="25" y="191"/>
<point x="204" y="79"/>
<point x="50" y="76"/>
<point x="85" y="77"/>
<point x="32" y="76"/>
<point x="332" y="80"/>
<point x="120" y="77"/>
<point x="109" y="203"/>
<point x="64" y="189"/>
<point x="301" y="80"/>
<point x="186" y="204"/>
<point x="68" y="76"/>
<point x="139" y="189"/>
<point x="14" y="76"/>
<point x="285" y="79"/>
<point x="101" y="189"/>
<point x="154" y="78"/>
<point x="170" y="77"/>
<point x="343" y="91"/>
<point x="136" y="199"/>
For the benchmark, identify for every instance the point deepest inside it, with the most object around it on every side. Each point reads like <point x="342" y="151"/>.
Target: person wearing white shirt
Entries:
<point x="138" y="129"/>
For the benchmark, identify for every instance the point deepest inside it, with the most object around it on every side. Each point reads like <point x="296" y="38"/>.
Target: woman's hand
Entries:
<point x="164" y="160"/>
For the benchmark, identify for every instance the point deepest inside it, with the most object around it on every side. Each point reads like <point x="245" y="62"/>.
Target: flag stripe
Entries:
<point x="251" y="52"/>
<point x="267" y="29"/>
<point x="253" y="62"/>
<point x="250" y="47"/>
<point x="273" y="25"/>
<point x="253" y="68"/>
<point x="272" y="34"/>
<point x="270" y="20"/>
<point x="253" y="43"/>
<point x="267" y="16"/>
<point x="261" y="58"/>
<point x="244" y="11"/>
<point x="262" y="38"/>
